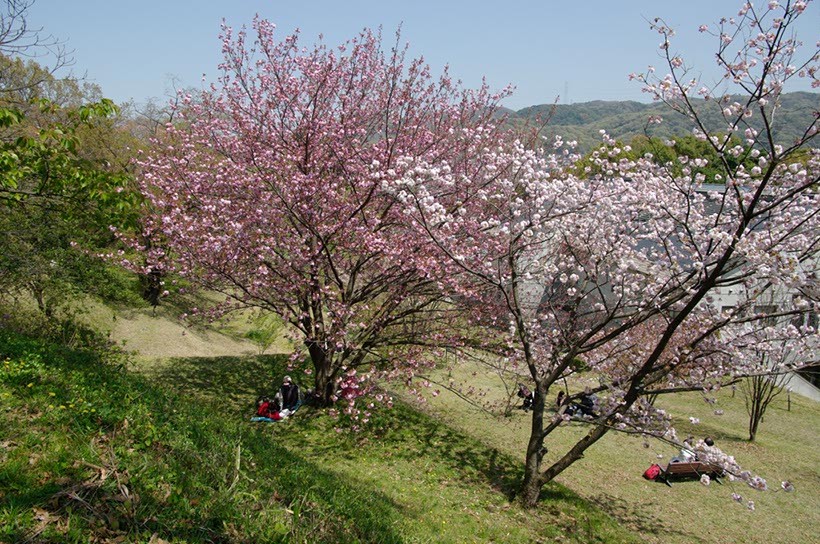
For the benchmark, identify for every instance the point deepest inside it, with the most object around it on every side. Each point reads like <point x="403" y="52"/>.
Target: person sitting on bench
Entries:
<point x="697" y="453"/>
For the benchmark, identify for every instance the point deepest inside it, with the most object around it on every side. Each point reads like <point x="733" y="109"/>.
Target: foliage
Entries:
<point x="268" y="189"/>
<point x="658" y="284"/>
<point x="53" y="201"/>
<point x="62" y="165"/>
<point x="266" y="330"/>
<point x="674" y="155"/>
<point x="57" y="197"/>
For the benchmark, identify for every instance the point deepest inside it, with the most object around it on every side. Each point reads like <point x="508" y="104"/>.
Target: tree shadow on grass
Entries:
<point x="404" y="434"/>
<point x="602" y="519"/>
<point x="236" y="382"/>
<point x="720" y="435"/>
<point x="233" y="382"/>
<point x="401" y="432"/>
<point x="472" y="458"/>
<point x="632" y="516"/>
<point x="184" y="482"/>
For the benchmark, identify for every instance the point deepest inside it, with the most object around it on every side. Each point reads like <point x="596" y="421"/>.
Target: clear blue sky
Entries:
<point x="578" y="50"/>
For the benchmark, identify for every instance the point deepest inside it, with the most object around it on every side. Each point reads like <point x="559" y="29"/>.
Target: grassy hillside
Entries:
<point x="94" y="453"/>
<point x="625" y="120"/>
<point x="161" y="449"/>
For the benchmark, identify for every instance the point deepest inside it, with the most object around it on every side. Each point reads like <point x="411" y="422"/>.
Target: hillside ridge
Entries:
<point x="627" y="119"/>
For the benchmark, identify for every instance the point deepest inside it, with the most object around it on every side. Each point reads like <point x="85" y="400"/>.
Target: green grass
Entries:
<point x="94" y="452"/>
<point x="610" y="474"/>
<point x="91" y="450"/>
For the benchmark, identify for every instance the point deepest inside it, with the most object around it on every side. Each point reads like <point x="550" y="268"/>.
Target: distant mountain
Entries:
<point x="626" y="119"/>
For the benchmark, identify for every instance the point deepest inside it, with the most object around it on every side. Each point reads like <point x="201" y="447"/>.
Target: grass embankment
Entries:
<point x="94" y="453"/>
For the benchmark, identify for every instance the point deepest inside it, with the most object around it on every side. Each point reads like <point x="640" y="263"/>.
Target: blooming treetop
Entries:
<point x="375" y="208"/>
<point x="267" y="189"/>
<point x="622" y="264"/>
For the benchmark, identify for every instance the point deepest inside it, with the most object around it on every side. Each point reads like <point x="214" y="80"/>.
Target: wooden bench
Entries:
<point x="690" y="470"/>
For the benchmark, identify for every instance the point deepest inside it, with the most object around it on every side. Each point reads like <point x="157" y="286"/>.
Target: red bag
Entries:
<point x="652" y="472"/>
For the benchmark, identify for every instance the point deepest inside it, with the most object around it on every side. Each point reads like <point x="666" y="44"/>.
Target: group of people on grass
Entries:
<point x="585" y="406"/>
<point x="286" y="400"/>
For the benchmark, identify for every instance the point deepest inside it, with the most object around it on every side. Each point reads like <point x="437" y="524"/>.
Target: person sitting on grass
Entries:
<point x="288" y="394"/>
<point x="527" y="395"/>
<point x="267" y="407"/>
<point x="584" y="408"/>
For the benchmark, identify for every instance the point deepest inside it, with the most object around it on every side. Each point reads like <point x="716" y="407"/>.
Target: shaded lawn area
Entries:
<point x="91" y="452"/>
<point x="234" y="383"/>
<point x="446" y="482"/>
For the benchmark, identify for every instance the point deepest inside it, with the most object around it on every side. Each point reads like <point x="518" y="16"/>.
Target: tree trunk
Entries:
<point x="39" y="295"/>
<point x="531" y="486"/>
<point x="325" y="375"/>
<point x="755" y="407"/>
<point x="753" y="429"/>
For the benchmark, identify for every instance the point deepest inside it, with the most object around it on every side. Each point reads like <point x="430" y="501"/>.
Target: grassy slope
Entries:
<point x="610" y="475"/>
<point x="93" y="452"/>
<point x="409" y="478"/>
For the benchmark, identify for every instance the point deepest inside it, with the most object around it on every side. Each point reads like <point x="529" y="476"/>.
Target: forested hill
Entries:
<point x="625" y="120"/>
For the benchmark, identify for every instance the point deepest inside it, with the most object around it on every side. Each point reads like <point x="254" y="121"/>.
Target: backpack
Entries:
<point x="652" y="472"/>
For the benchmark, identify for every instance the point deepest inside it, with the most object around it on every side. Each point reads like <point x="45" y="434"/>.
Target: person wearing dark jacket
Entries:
<point x="527" y="395"/>
<point x="288" y="394"/>
<point x="586" y="407"/>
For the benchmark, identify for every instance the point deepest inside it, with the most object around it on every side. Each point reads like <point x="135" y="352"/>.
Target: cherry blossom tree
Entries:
<point x="649" y="277"/>
<point x="267" y="189"/>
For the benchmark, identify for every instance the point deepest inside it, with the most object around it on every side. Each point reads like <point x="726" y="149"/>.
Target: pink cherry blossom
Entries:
<point x="268" y="190"/>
